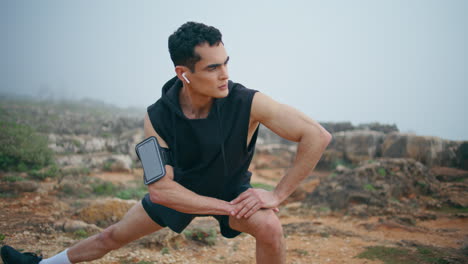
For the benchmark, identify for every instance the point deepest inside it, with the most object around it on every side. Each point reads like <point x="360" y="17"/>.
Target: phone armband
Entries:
<point x="153" y="158"/>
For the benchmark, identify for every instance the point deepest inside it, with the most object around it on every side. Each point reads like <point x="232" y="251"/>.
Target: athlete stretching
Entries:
<point x="210" y="125"/>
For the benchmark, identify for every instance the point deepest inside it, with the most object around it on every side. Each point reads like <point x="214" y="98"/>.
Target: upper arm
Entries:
<point x="284" y="120"/>
<point x="149" y="131"/>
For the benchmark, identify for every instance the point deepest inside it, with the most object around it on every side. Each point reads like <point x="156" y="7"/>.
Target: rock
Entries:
<point x="455" y="195"/>
<point x="386" y="186"/>
<point x="19" y="186"/>
<point x="361" y="145"/>
<point x="337" y="127"/>
<point x="120" y="163"/>
<point x="71" y="226"/>
<point x="431" y="151"/>
<point x="462" y="154"/>
<point x="93" y="144"/>
<point x="329" y="158"/>
<point x="274" y="157"/>
<point x="378" y="127"/>
<point x="446" y="174"/>
<point x="105" y="212"/>
<point x="163" y="238"/>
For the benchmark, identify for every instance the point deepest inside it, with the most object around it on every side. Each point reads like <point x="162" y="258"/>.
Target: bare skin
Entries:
<point x="253" y="211"/>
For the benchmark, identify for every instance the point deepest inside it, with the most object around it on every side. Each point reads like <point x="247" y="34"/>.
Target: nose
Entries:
<point x="224" y="75"/>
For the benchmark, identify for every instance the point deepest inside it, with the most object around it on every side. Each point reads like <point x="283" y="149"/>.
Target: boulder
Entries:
<point x="431" y="151"/>
<point x="163" y="238"/>
<point x="119" y="163"/>
<point x="68" y="225"/>
<point x="352" y="146"/>
<point x="105" y="212"/>
<point x="18" y="186"/>
<point x="337" y="127"/>
<point x="361" y="145"/>
<point x="383" y="186"/>
<point x="446" y="174"/>
<point x="462" y="155"/>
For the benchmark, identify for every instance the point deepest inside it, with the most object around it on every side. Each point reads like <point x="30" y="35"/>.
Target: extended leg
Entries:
<point x="135" y="224"/>
<point x="265" y="226"/>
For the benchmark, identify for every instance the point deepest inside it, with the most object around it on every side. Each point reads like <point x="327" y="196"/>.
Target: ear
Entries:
<point x="180" y="70"/>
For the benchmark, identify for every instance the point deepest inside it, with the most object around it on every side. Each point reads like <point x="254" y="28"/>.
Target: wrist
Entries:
<point x="279" y="196"/>
<point x="226" y="208"/>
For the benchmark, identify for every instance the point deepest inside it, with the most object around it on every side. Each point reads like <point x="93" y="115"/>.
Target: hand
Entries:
<point x="252" y="200"/>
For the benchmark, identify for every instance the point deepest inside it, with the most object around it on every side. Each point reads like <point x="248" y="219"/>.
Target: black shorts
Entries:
<point x="177" y="221"/>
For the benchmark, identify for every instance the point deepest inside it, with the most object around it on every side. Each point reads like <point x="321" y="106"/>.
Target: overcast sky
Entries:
<point x="402" y="62"/>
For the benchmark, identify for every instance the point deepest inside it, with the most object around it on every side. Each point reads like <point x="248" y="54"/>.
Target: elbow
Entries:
<point x="320" y="137"/>
<point x="155" y="197"/>
<point x="156" y="194"/>
<point x="326" y="138"/>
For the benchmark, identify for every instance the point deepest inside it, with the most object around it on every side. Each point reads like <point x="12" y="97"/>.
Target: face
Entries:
<point x="210" y="77"/>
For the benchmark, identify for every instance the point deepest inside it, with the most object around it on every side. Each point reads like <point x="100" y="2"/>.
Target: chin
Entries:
<point x="222" y="94"/>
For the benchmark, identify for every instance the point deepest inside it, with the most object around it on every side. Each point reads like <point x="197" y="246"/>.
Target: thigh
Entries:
<point x="135" y="224"/>
<point x="255" y="222"/>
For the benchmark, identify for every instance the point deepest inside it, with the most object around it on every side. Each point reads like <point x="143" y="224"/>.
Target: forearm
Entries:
<point x="309" y="151"/>
<point x="173" y="195"/>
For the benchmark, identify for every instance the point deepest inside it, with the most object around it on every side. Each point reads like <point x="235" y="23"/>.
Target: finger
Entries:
<point x="240" y="198"/>
<point x="246" y="209"/>
<point x="276" y="210"/>
<point x="252" y="211"/>
<point x="240" y="205"/>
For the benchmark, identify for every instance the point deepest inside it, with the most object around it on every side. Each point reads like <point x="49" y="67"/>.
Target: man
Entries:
<point x="210" y="125"/>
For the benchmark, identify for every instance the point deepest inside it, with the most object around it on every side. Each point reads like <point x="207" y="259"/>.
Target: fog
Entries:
<point x="396" y="62"/>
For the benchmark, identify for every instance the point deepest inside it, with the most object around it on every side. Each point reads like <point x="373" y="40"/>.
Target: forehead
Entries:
<point x="211" y="54"/>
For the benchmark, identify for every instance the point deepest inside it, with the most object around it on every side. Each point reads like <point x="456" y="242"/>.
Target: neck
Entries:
<point x="194" y="105"/>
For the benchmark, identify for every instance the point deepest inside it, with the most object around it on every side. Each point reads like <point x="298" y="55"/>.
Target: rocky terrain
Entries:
<point x="376" y="195"/>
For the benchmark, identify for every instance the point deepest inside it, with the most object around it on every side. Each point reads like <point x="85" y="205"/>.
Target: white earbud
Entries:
<point x="183" y="76"/>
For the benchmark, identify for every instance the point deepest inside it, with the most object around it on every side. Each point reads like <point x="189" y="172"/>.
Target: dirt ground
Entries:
<point x="26" y="222"/>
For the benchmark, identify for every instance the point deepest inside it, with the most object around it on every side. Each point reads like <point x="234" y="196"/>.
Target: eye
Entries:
<point x="212" y="68"/>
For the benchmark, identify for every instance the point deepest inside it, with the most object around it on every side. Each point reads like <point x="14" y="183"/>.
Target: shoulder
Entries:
<point x="239" y="93"/>
<point x="239" y="89"/>
<point x="264" y="107"/>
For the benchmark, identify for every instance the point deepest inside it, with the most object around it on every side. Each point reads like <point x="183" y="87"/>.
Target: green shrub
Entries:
<point x="22" y="148"/>
<point x="165" y="251"/>
<point x="80" y="233"/>
<point x="50" y="172"/>
<point x="382" y="172"/>
<point x="104" y="188"/>
<point x="132" y="193"/>
<point x="263" y="186"/>
<point x="13" y="178"/>
<point x="107" y="166"/>
<point x="204" y="236"/>
<point x="369" y="187"/>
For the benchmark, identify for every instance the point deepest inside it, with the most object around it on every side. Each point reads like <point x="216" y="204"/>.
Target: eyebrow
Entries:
<point x="217" y="64"/>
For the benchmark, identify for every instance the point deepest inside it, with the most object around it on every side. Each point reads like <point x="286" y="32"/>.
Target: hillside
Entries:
<point x="377" y="194"/>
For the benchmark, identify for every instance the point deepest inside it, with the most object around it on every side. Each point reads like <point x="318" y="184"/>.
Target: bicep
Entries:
<point x="282" y="119"/>
<point x="150" y="132"/>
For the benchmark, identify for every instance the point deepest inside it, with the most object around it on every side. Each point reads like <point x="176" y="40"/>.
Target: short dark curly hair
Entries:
<point x="182" y="42"/>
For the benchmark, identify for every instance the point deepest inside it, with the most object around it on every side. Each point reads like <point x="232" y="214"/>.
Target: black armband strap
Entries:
<point x="166" y="155"/>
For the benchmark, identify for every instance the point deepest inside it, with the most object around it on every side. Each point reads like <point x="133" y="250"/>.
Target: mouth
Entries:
<point x="223" y="87"/>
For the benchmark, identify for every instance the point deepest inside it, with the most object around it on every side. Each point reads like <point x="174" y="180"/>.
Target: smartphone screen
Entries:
<point x="153" y="167"/>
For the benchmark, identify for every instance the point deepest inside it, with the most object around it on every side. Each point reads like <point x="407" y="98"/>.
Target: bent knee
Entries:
<point x="264" y="225"/>
<point x="270" y="229"/>
<point x="108" y="239"/>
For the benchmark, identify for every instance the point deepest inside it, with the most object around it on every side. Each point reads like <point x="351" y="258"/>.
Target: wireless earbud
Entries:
<point x="183" y="76"/>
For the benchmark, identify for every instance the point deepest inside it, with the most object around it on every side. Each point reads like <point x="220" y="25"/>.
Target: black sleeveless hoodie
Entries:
<point x="210" y="155"/>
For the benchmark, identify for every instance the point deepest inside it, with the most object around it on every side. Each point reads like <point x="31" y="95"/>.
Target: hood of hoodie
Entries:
<point x="170" y="96"/>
